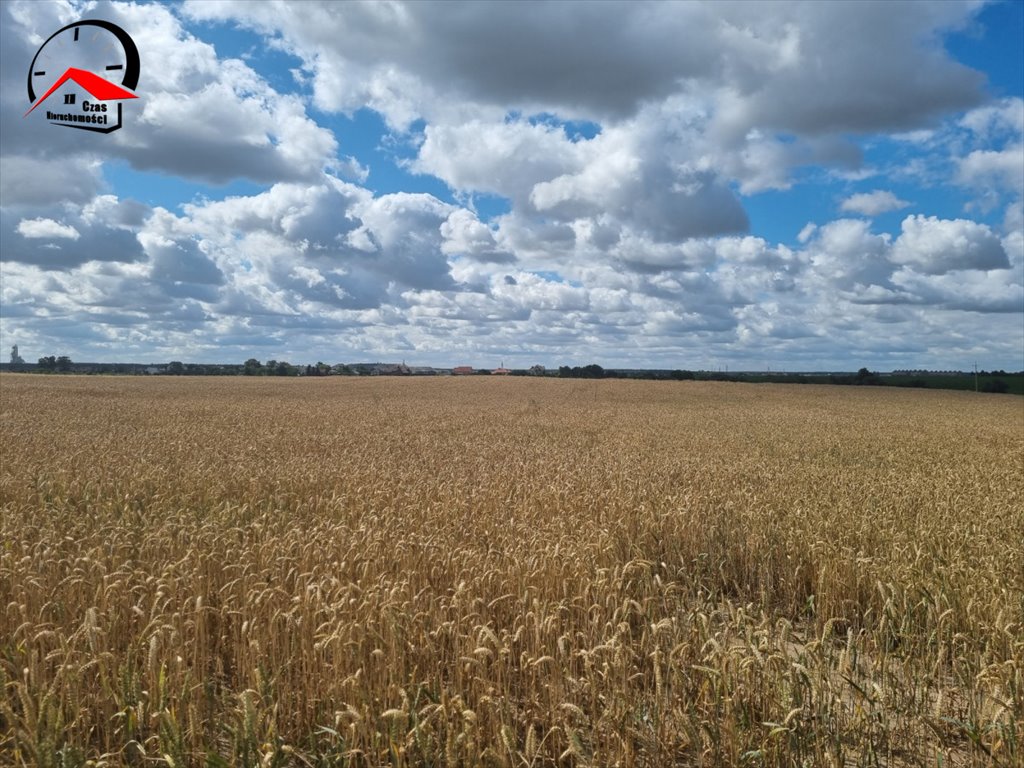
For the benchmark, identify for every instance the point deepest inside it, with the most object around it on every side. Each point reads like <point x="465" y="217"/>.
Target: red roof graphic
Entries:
<point x="101" y="89"/>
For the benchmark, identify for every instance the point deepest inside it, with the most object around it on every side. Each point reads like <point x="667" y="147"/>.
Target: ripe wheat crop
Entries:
<point x="508" y="572"/>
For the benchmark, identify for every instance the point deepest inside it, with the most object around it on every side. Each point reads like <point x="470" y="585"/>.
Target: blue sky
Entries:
<point x="696" y="185"/>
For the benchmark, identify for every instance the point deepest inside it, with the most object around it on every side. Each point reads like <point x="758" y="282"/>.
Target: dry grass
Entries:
<point x="508" y="572"/>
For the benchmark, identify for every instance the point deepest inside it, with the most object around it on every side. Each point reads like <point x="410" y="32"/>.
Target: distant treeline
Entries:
<point x="985" y="381"/>
<point x="997" y="381"/>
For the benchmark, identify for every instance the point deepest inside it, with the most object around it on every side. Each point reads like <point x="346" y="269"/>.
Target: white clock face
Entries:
<point x="95" y="46"/>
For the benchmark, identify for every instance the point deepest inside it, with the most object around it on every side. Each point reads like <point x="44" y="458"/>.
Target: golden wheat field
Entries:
<point x="508" y="572"/>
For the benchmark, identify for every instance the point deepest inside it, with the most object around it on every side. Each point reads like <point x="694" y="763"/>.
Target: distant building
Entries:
<point x="921" y="372"/>
<point x="501" y="372"/>
<point x="380" y="369"/>
<point x="391" y="369"/>
<point x="462" y="370"/>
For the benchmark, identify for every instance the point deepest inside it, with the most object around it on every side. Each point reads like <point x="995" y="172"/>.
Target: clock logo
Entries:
<point x="94" y="65"/>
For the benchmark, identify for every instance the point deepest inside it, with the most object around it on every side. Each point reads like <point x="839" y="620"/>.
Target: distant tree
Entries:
<point x="63" y="363"/>
<point x="864" y="376"/>
<point x="592" y="371"/>
<point x="997" y="386"/>
<point x="320" y="369"/>
<point x="48" y="363"/>
<point x="683" y="375"/>
<point x="175" y="368"/>
<point x="282" y="368"/>
<point x="253" y="367"/>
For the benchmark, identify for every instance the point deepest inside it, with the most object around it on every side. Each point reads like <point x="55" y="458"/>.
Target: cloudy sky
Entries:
<point x="784" y="185"/>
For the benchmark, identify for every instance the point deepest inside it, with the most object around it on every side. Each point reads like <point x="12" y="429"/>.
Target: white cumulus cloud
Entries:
<point x="1003" y="169"/>
<point x="935" y="246"/>
<point x="47" y="228"/>
<point x="873" y="203"/>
